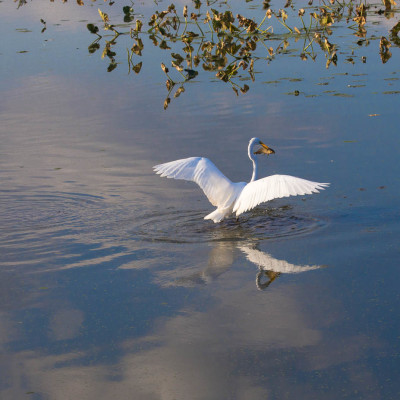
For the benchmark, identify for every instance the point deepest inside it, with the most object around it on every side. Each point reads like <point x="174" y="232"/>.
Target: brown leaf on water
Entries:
<point x="169" y="84"/>
<point x="384" y="52"/>
<point x="164" y="68"/>
<point x="139" y="25"/>
<point x="331" y="60"/>
<point x="79" y="2"/>
<point x="243" y="64"/>
<point x="136" y="49"/>
<point x="166" y="103"/>
<point x="361" y="15"/>
<point x="384" y="44"/>
<point x="153" y="38"/>
<point x="394" y="34"/>
<point x="164" y="45"/>
<point x="180" y="90"/>
<point x="178" y="58"/>
<point x="136" y="68"/>
<point x="177" y="66"/>
<point x="244" y="89"/>
<point x="328" y="46"/>
<point x="388" y="4"/>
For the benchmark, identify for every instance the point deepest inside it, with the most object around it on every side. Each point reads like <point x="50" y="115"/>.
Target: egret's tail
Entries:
<point x="218" y="215"/>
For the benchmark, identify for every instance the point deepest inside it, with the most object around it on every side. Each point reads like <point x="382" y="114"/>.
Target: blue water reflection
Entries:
<point x="111" y="282"/>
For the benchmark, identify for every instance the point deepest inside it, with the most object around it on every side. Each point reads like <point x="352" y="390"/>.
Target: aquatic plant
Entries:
<point x="210" y="38"/>
<point x="215" y="40"/>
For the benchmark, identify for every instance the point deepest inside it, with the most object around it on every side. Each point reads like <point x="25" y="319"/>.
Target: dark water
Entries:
<point x="113" y="285"/>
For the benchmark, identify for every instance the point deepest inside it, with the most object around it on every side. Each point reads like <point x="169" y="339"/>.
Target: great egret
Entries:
<point x="230" y="197"/>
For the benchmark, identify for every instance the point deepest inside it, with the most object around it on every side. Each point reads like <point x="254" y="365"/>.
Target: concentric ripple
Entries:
<point x="43" y="231"/>
<point x="190" y="227"/>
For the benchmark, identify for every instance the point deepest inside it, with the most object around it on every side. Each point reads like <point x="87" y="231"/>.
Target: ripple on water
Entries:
<point x="48" y="231"/>
<point x="189" y="226"/>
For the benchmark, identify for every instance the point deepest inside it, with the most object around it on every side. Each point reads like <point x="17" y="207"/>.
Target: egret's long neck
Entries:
<point x="253" y="158"/>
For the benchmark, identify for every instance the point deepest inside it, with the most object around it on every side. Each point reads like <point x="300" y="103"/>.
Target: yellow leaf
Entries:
<point x="103" y="16"/>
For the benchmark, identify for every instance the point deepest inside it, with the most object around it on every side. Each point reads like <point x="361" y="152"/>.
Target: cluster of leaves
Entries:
<point x="215" y="40"/>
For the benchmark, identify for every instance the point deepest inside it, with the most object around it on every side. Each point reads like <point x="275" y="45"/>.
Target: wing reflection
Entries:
<point x="270" y="267"/>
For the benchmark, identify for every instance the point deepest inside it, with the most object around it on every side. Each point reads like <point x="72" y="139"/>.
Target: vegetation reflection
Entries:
<point x="214" y="40"/>
<point x="209" y="37"/>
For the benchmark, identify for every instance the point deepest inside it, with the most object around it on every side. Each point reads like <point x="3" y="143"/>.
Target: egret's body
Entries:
<point x="230" y="197"/>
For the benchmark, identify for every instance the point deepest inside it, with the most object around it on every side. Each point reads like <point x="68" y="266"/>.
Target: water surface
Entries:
<point x="113" y="285"/>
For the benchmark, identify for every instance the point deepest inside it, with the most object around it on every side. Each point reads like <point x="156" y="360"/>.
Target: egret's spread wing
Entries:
<point x="273" y="187"/>
<point x="216" y="186"/>
<point x="269" y="263"/>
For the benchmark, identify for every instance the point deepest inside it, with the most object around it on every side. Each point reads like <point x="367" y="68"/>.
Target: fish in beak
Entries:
<point x="264" y="149"/>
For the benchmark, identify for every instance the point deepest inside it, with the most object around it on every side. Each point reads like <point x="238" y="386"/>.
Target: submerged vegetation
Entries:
<point x="210" y="37"/>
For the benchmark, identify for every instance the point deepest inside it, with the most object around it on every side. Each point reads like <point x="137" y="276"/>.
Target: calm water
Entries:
<point x="113" y="285"/>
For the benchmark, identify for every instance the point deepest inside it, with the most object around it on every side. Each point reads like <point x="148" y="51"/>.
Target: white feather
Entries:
<point x="220" y="191"/>
<point x="273" y="187"/>
<point x="238" y="197"/>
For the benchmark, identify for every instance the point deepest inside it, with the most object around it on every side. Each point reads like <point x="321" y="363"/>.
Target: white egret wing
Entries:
<point x="216" y="186"/>
<point x="269" y="263"/>
<point x="272" y="187"/>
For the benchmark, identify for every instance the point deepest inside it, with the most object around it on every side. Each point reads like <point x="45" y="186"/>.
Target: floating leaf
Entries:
<point x="164" y="68"/>
<point x="163" y="45"/>
<point x="136" y="68"/>
<point x="180" y="90"/>
<point x="166" y="103"/>
<point x="245" y="89"/>
<point x="138" y="47"/>
<point x="103" y="16"/>
<point x="191" y="73"/>
<point x="139" y="25"/>
<point x="92" y="28"/>
<point x="93" y="47"/>
<point x="169" y="84"/>
<point x="112" y="66"/>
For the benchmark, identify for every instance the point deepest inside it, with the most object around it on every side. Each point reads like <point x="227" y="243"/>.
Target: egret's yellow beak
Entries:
<point x="264" y="149"/>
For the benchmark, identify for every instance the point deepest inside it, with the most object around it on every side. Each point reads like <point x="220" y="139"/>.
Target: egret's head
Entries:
<point x="256" y="146"/>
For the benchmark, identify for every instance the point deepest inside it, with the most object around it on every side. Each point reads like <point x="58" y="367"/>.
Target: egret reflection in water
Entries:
<point x="220" y="260"/>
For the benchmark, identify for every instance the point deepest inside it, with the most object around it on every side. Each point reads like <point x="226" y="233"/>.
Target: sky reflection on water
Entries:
<point x="113" y="285"/>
